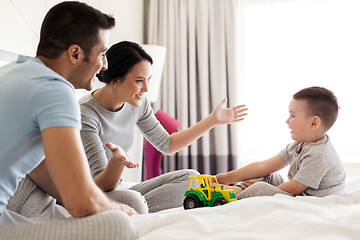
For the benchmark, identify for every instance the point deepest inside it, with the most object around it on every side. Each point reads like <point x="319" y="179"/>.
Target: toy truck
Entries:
<point x="207" y="194"/>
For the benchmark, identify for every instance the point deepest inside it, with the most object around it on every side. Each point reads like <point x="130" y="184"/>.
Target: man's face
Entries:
<point x="84" y="76"/>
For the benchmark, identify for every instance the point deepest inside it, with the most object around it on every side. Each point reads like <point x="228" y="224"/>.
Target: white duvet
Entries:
<point x="278" y="217"/>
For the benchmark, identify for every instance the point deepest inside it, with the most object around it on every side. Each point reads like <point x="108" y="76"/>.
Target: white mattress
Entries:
<point x="278" y="217"/>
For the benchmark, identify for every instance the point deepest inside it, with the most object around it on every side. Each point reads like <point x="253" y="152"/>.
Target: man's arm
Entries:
<point x="68" y="169"/>
<point x="40" y="175"/>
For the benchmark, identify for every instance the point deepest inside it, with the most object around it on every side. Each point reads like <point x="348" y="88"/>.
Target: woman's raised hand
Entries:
<point x="228" y="115"/>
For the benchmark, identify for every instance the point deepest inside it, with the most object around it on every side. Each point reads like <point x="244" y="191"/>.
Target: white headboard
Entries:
<point x="6" y="57"/>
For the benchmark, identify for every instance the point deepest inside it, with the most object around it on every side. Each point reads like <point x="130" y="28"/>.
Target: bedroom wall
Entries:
<point x="20" y="22"/>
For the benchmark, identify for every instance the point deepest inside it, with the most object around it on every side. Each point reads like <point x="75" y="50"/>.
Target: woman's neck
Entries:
<point x="106" y="98"/>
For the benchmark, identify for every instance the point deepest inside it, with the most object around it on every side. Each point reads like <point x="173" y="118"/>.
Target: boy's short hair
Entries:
<point x="70" y="23"/>
<point x="321" y="102"/>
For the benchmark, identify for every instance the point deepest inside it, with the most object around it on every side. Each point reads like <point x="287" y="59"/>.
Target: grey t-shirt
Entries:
<point x="100" y="126"/>
<point x="317" y="166"/>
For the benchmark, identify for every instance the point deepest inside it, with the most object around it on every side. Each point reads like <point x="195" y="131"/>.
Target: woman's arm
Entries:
<point x="219" y="115"/>
<point x="109" y="178"/>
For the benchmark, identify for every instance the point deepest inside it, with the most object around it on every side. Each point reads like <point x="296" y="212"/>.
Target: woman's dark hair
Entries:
<point x="321" y="102"/>
<point x="70" y="23"/>
<point x="121" y="58"/>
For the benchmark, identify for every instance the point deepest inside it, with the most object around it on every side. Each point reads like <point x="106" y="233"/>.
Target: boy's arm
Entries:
<point x="70" y="173"/>
<point x="293" y="187"/>
<point x="253" y="170"/>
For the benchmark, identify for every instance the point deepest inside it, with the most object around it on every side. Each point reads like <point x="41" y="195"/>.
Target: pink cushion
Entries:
<point x="151" y="155"/>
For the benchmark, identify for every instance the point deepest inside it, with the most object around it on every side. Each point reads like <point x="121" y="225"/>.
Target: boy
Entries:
<point x="315" y="168"/>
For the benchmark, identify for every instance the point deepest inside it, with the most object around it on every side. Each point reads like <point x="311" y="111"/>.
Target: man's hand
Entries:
<point x="118" y="154"/>
<point x="127" y="209"/>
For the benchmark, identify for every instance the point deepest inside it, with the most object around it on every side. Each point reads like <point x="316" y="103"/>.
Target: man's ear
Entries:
<point x="315" y="122"/>
<point x="74" y="53"/>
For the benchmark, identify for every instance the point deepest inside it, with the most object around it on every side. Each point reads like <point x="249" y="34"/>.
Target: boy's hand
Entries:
<point x="236" y="189"/>
<point x="228" y="115"/>
<point x="222" y="178"/>
<point x="247" y="183"/>
<point x="119" y="155"/>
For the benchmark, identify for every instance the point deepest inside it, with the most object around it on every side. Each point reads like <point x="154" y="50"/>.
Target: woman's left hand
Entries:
<point x="228" y="115"/>
<point x="119" y="155"/>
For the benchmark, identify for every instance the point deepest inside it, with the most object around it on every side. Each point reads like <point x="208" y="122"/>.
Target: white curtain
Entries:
<point x="203" y="65"/>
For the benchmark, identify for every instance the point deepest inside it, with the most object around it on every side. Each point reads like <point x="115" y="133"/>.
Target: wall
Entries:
<point x="20" y="22"/>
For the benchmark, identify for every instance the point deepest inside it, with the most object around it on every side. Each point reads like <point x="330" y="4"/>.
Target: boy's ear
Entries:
<point x="315" y="122"/>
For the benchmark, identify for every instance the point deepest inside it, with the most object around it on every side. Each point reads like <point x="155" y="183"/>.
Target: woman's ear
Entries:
<point x="116" y="82"/>
<point x="315" y="122"/>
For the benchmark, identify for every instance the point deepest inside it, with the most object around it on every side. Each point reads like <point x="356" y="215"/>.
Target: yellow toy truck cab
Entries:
<point x="207" y="194"/>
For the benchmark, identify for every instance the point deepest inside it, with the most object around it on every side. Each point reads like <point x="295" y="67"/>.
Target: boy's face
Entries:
<point x="299" y="121"/>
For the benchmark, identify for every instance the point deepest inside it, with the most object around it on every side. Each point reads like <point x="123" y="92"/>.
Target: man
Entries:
<point x="40" y="118"/>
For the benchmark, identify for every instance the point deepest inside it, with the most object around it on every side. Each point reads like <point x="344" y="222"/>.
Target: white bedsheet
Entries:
<point x="278" y="217"/>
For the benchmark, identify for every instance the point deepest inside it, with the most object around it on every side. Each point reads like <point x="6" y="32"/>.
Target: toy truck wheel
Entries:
<point x="192" y="201"/>
<point x="219" y="201"/>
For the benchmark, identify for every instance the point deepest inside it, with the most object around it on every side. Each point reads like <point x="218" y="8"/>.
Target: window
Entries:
<point x="290" y="45"/>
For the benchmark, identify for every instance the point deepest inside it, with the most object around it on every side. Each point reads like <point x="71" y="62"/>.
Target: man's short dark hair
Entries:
<point x="321" y="102"/>
<point x="70" y="23"/>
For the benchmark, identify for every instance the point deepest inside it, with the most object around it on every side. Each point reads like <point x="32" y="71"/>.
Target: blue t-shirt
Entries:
<point x="32" y="98"/>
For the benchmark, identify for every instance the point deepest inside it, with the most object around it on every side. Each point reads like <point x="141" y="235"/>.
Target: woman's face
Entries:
<point x="135" y="84"/>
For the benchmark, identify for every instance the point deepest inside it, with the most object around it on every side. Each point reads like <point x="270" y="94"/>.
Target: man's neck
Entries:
<point x="58" y="65"/>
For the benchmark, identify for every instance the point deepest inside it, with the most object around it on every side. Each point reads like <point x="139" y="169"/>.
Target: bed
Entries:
<point x="277" y="217"/>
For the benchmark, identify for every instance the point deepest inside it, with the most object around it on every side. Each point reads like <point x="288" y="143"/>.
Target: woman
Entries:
<point x="110" y="113"/>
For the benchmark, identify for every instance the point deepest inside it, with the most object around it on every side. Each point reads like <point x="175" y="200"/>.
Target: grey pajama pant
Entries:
<point x="156" y="194"/>
<point x="33" y="214"/>
<point x="264" y="186"/>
